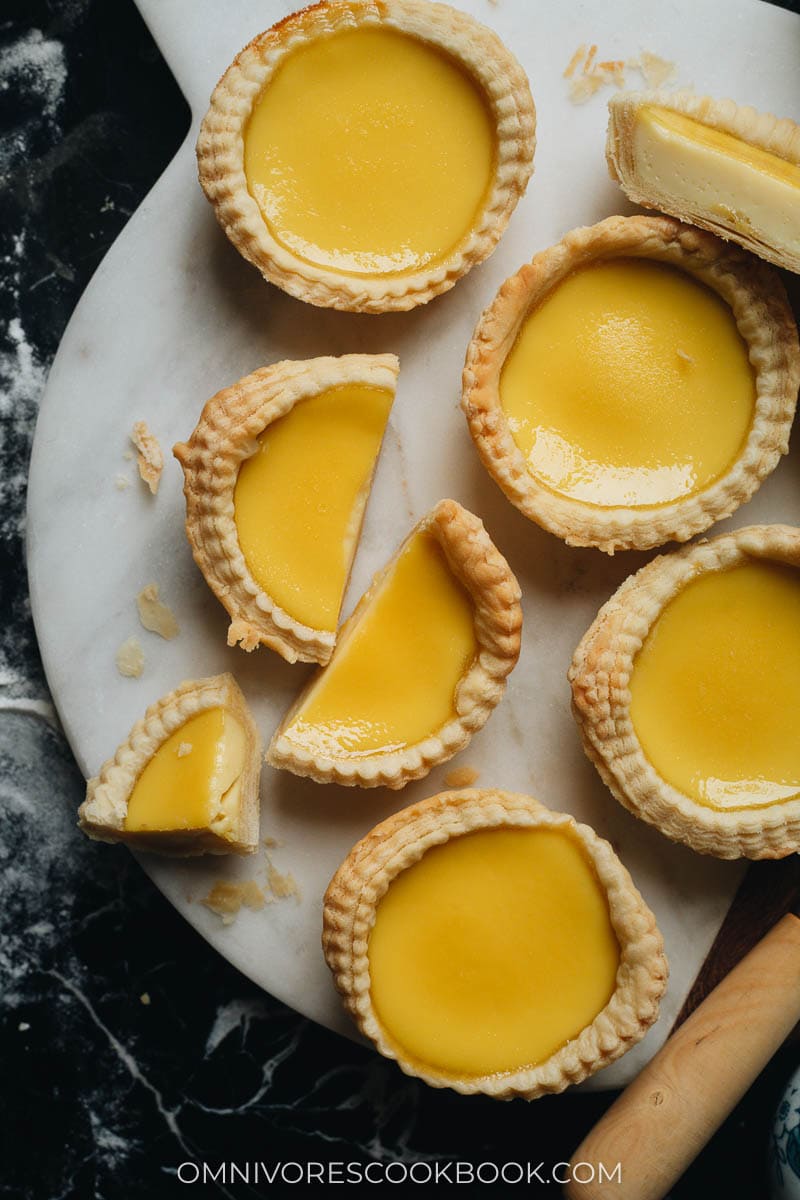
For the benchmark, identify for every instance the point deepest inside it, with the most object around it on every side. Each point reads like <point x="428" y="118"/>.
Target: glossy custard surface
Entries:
<point x="300" y="499"/>
<point x="492" y="951"/>
<point x="629" y="385"/>
<point x="393" y="676"/>
<point x="754" y="192"/>
<point x="183" y="784"/>
<point x="370" y="152"/>
<point x="714" y="690"/>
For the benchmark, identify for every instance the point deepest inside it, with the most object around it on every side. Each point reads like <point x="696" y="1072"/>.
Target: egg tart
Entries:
<point x="685" y="693"/>
<point x="713" y="163"/>
<point x="633" y="383"/>
<point x="364" y="155"/>
<point x="277" y="477"/>
<point x="417" y="668"/>
<point x="491" y="945"/>
<point x="185" y="781"/>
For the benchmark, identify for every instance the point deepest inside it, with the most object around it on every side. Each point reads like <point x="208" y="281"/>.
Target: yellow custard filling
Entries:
<point x="629" y="385"/>
<point x="393" y="676"/>
<point x="191" y="776"/>
<point x="714" y="689"/>
<point x="300" y="500"/>
<point x="492" y="951"/>
<point x="748" y="188"/>
<point x="370" y="152"/>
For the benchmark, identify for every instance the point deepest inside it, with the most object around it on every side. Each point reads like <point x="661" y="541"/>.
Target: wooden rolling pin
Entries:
<point x="663" y="1119"/>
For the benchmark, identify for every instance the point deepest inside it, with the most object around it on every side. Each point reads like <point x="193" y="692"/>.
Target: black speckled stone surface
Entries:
<point x="127" y="1046"/>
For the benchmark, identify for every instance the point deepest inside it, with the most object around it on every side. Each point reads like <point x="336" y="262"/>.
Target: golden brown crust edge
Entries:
<point x="220" y="154"/>
<point x="779" y="136"/>
<point x="227" y="434"/>
<point x="484" y="573"/>
<point x="102" y="814"/>
<point x="364" y="876"/>
<point x="764" y="319"/>
<point x="600" y="676"/>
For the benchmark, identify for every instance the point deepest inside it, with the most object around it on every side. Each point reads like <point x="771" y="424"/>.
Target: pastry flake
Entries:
<point x="154" y="796"/>
<point x="418" y="667"/>
<point x="154" y="614"/>
<point x="276" y="161"/>
<point x="149" y="459"/>
<point x="298" y="441"/>
<point x="491" y="1002"/>
<point x="634" y="383"/>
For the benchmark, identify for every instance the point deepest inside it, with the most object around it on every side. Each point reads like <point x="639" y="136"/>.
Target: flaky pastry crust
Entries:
<point x="232" y="830"/>
<point x="227" y="434"/>
<point x="764" y="319"/>
<point x="600" y="678"/>
<point x="486" y="576"/>
<point x="356" y="889"/>
<point x="779" y="136"/>
<point x="220" y="148"/>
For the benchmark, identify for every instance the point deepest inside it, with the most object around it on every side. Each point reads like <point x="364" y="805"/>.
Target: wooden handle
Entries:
<point x="663" y="1119"/>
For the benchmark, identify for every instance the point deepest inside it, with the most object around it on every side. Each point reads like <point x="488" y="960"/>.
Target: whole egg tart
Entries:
<point x="717" y="164"/>
<point x="491" y="945"/>
<point x="634" y="383"/>
<point x="418" y="667"/>
<point x="277" y="474"/>
<point x="185" y="780"/>
<point x="364" y="155"/>
<point x="685" y="693"/>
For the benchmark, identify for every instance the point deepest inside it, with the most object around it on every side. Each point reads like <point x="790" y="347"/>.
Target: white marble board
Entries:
<point x="173" y="314"/>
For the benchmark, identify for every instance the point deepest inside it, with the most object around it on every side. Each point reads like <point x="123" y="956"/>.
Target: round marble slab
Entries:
<point x="173" y="314"/>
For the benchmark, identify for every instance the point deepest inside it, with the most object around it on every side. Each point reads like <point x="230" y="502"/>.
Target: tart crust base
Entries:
<point x="357" y="887"/>
<point x="765" y="321"/>
<point x="102" y="814"/>
<point x="227" y="434"/>
<point x="600" y="675"/>
<point x="779" y="136"/>
<point x="220" y="149"/>
<point x="484" y="573"/>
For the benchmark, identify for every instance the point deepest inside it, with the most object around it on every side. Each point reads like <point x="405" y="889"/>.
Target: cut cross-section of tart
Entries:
<point x="418" y="667"/>
<point x="633" y="383"/>
<point x="365" y="156"/>
<point x="277" y="476"/>
<point x="185" y="781"/>
<point x="685" y="692"/>
<point x="491" y="945"/>
<point x="713" y="163"/>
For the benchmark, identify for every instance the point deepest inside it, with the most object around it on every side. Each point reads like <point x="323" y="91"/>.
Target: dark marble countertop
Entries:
<point x="128" y="1046"/>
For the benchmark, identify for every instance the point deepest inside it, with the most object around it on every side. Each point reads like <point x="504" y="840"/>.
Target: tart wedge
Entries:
<point x="713" y="163"/>
<point x="364" y="156"/>
<point x="277" y="476"/>
<point x="685" y="693"/>
<point x="185" y="781"/>
<point x="419" y="665"/>
<point x="491" y="945"/>
<point x="633" y="383"/>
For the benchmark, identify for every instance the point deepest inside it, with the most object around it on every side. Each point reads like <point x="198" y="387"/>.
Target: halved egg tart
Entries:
<point x="418" y="667"/>
<point x="633" y="383"/>
<point x="185" y="781"/>
<point x="277" y="476"/>
<point x="491" y="945"/>
<point x="714" y="163"/>
<point x="363" y="155"/>
<point x="685" y="693"/>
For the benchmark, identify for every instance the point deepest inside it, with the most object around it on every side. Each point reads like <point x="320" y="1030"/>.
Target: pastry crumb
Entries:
<point x="655" y="71"/>
<point x="569" y="70"/>
<point x="130" y="658"/>
<point x="154" y="614"/>
<point x="282" y="885"/>
<point x="144" y="998"/>
<point x="593" y="75"/>
<point x="121" y="482"/>
<point x="461" y="777"/>
<point x="226" y="899"/>
<point x="150" y="459"/>
<point x="184" y="749"/>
